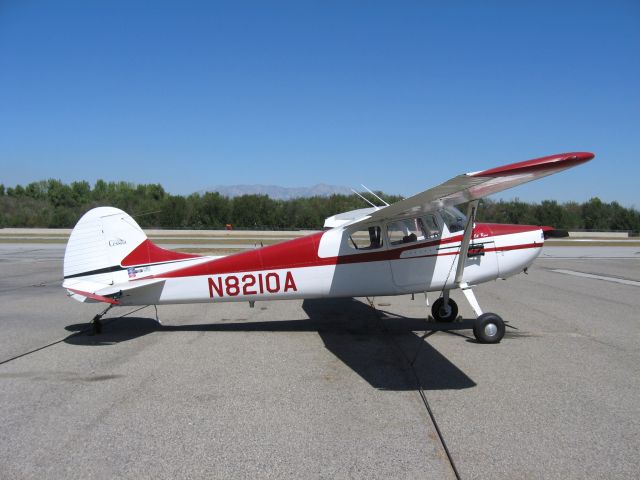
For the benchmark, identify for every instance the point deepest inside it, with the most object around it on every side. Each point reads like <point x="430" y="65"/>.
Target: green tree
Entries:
<point x="59" y="194"/>
<point x="173" y="212"/>
<point x="594" y="213"/>
<point x="81" y="192"/>
<point x="18" y="191"/>
<point x="37" y="190"/>
<point x="53" y="203"/>
<point x="253" y="211"/>
<point x="213" y="210"/>
<point x="99" y="190"/>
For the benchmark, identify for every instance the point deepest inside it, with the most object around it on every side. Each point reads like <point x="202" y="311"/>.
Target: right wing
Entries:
<point x="475" y="185"/>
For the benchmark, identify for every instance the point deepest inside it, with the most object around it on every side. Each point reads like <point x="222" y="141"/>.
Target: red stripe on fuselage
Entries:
<point x="303" y="252"/>
<point x="506" y="248"/>
<point x="296" y="253"/>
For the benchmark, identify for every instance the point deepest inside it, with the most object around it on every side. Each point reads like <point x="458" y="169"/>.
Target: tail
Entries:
<point x="108" y="248"/>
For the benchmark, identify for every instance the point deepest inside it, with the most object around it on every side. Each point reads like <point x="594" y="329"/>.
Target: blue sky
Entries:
<point x="396" y="95"/>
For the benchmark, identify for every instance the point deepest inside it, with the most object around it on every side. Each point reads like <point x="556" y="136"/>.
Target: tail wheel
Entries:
<point x="442" y="313"/>
<point x="489" y="328"/>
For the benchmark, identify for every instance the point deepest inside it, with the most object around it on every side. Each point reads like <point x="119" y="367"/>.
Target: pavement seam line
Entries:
<point x="84" y="330"/>
<point x="421" y="392"/>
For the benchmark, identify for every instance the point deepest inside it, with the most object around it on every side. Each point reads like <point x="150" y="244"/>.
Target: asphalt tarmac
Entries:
<point x="325" y="389"/>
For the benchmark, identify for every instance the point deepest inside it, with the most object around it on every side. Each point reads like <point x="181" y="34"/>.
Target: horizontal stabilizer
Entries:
<point x="84" y="291"/>
<point x="91" y="296"/>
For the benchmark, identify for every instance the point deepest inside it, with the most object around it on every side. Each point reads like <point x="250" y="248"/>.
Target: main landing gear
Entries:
<point x="487" y="327"/>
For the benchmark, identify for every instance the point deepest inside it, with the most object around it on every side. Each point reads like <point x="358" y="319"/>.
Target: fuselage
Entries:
<point x="414" y="245"/>
<point x="414" y="255"/>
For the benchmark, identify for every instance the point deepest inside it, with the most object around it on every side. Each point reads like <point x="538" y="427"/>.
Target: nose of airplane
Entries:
<point x="516" y="246"/>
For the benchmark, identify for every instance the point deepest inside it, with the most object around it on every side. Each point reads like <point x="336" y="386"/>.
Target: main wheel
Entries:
<point x="444" y="314"/>
<point x="489" y="328"/>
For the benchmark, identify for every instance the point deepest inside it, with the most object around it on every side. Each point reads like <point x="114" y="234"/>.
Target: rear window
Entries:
<point x="368" y="238"/>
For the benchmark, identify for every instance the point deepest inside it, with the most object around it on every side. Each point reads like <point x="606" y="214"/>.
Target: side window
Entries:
<point x="407" y="230"/>
<point x="411" y="230"/>
<point x="368" y="238"/>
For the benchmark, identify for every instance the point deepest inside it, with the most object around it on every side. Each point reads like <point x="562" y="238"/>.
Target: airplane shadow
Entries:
<point x="379" y="348"/>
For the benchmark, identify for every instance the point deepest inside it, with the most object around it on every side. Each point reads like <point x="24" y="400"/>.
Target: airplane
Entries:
<point x="420" y="244"/>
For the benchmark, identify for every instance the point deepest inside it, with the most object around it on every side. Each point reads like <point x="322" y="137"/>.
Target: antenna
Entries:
<point x="372" y="193"/>
<point x="374" y="206"/>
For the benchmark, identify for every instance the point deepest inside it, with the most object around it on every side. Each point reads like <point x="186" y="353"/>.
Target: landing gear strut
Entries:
<point x="96" y="323"/>
<point x="488" y="327"/>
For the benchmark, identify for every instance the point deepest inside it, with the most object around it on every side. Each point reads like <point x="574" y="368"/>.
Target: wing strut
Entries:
<point x="466" y="240"/>
<point x="462" y="258"/>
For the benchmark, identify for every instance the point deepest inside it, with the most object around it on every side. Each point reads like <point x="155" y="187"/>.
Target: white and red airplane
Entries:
<point x="415" y="245"/>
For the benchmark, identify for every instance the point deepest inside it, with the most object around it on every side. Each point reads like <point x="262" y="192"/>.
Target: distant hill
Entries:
<point x="279" y="193"/>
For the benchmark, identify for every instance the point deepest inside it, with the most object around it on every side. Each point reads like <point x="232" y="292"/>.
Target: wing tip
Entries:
<point x="559" y="161"/>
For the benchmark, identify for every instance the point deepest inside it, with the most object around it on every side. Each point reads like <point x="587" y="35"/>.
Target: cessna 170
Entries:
<point x="420" y="244"/>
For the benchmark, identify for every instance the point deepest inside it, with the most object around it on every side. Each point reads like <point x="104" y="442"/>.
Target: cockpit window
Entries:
<point x="454" y="219"/>
<point x="368" y="238"/>
<point x="409" y="230"/>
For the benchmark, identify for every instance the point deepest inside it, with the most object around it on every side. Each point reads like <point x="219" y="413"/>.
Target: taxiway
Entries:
<point x="324" y="389"/>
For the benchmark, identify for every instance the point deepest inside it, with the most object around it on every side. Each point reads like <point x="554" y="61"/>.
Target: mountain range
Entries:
<point x="279" y="193"/>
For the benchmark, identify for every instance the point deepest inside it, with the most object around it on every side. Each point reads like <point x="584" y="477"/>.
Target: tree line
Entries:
<point x="54" y="204"/>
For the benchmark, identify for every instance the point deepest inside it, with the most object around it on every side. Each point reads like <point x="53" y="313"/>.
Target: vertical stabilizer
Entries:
<point x="102" y="238"/>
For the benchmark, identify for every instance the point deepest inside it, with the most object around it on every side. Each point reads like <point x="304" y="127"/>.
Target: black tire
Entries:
<point x="440" y="314"/>
<point x="489" y="328"/>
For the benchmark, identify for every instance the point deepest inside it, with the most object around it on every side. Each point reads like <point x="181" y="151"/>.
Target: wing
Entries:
<point x="475" y="185"/>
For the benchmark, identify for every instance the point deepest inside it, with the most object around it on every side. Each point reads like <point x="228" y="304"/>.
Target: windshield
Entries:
<point x="454" y="219"/>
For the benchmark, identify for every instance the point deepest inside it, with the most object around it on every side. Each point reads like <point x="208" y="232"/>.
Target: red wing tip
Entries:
<point x="586" y="156"/>
<point x="578" y="157"/>
<point x="558" y="161"/>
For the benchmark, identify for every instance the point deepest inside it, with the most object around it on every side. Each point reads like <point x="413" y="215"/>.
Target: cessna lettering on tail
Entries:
<point x="251" y="284"/>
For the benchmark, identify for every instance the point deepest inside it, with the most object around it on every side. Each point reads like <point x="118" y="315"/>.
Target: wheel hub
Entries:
<point x="490" y="329"/>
